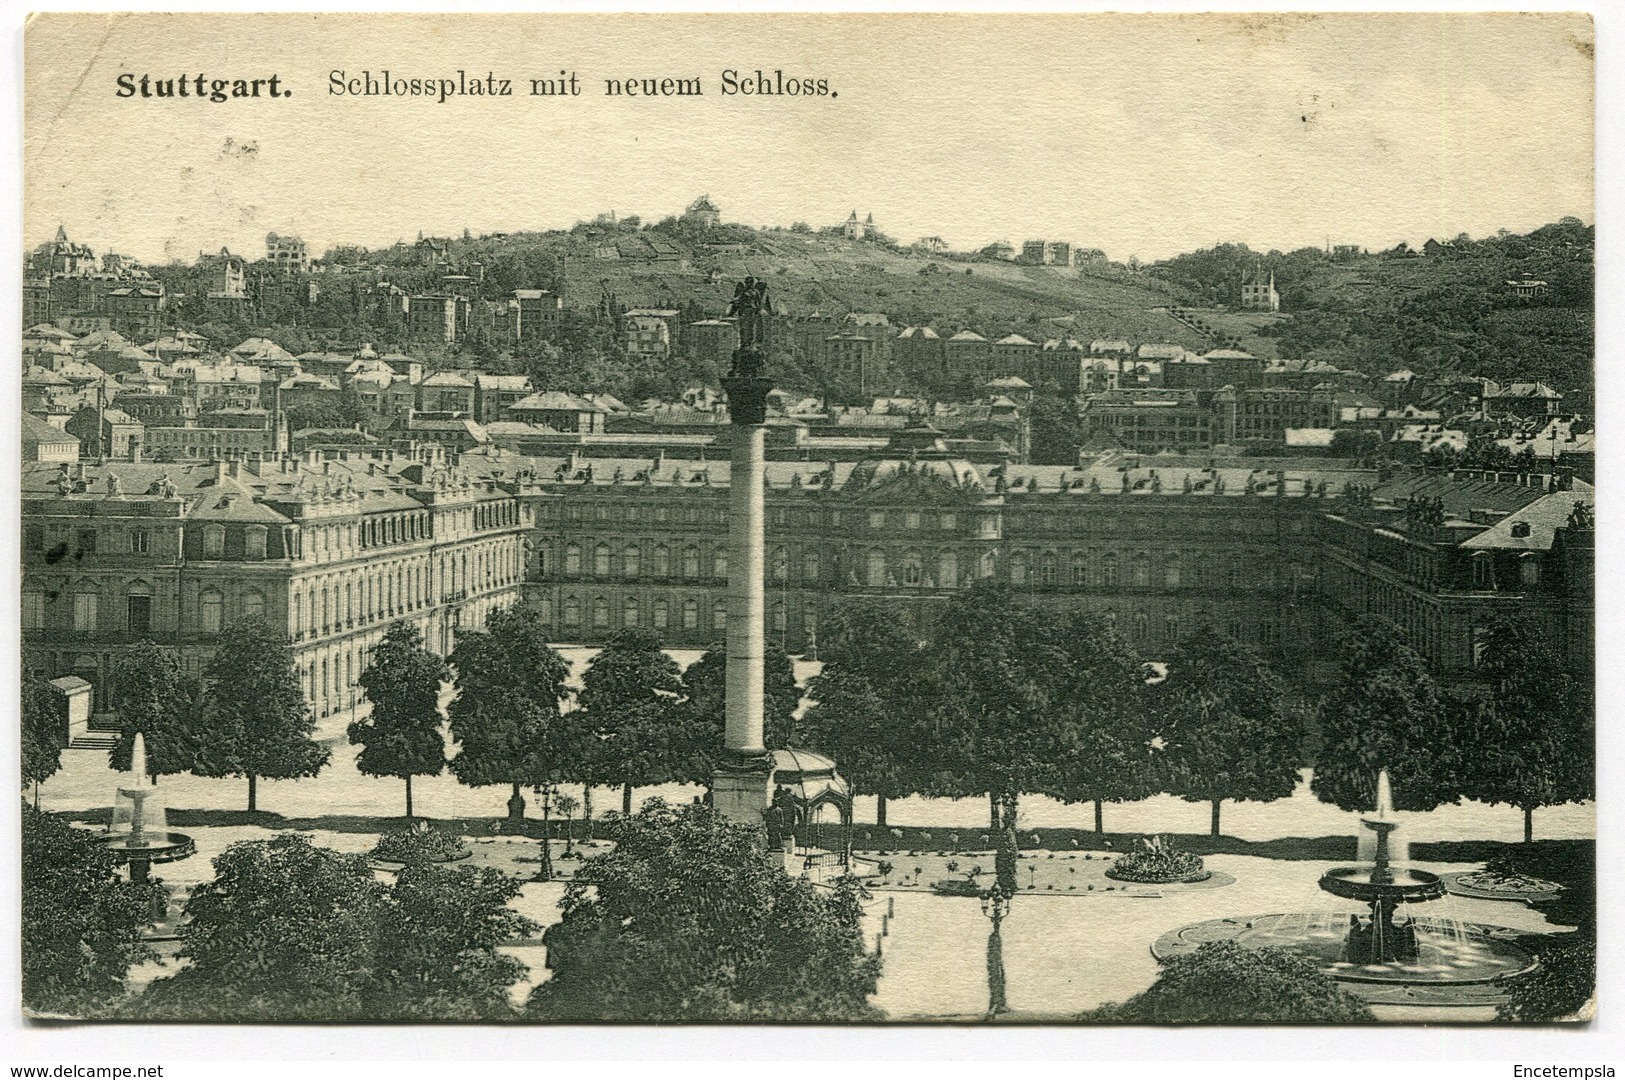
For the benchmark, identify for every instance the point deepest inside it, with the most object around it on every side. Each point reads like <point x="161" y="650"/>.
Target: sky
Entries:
<point x="1142" y="135"/>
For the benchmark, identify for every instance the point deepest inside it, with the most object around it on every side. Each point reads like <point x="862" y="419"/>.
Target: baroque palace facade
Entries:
<point x="333" y="551"/>
<point x="1276" y="553"/>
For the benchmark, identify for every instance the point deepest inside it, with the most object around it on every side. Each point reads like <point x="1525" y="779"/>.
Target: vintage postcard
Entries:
<point x="1065" y="519"/>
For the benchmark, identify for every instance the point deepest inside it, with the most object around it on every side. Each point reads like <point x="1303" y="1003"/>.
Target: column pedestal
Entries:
<point x="742" y="789"/>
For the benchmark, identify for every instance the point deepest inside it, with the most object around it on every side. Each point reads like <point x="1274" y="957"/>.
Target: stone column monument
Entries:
<point x="742" y="787"/>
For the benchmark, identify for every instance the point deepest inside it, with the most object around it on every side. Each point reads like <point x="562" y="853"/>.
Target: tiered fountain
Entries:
<point x="139" y="833"/>
<point x="1420" y="960"/>
<point x="1378" y="940"/>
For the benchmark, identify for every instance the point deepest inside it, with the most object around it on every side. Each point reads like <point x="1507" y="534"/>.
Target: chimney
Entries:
<point x="219" y="471"/>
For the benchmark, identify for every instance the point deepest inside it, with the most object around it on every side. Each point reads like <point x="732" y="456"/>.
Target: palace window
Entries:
<point x="572" y="611"/>
<point x="948" y="570"/>
<point x="1142" y="571"/>
<point x="662" y="561"/>
<point x="1018" y="568"/>
<point x="911" y="519"/>
<point x="877" y="567"/>
<point x="912" y="572"/>
<point x="214" y="541"/>
<point x="662" y="614"/>
<point x="1080" y="570"/>
<point x="33" y="611"/>
<point x="1141" y="629"/>
<point x="600" y="613"/>
<point x="572" y="559"/>
<point x="1170" y="574"/>
<point x="1483" y="570"/>
<point x="629" y="612"/>
<point x="719" y="615"/>
<point x="809" y="565"/>
<point x="631" y="560"/>
<point x="600" y="560"/>
<point x="1170" y="630"/>
<point x="211" y="607"/>
<point x="140" y="542"/>
<point x="1047" y="569"/>
<point x="691" y="615"/>
<point x="84" y="608"/>
<point x="719" y="563"/>
<point x="780" y="564"/>
<point x="691" y="562"/>
<point x="778" y="617"/>
<point x="877" y="519"/>
<point x="544" y="609"/>
<point x="1529" y="568"/>
<point x="253" y="604"/>
<point x="950" y="521"/>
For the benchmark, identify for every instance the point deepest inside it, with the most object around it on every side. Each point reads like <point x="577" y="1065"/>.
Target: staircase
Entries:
<point x="94" y="740"/>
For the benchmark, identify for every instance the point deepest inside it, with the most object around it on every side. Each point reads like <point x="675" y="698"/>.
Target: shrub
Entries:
<point x="1156" y="862"/>
<point x="419" y="845"/>
<point x="1226" y="983"/>
<point x="1561" y="988"/>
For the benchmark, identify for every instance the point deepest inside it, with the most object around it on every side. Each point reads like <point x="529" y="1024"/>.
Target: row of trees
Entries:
<point x="1001" y="699"/>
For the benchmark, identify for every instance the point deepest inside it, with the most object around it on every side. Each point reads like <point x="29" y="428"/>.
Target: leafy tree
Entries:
<point x="870" y="702"/>
<point x="435" y="940"/>
<point x="41" y="732"/>
<point x="1536" y="739"/>
<point x="1226" y="983"/>
<point x="282" y="932"/>
<point x="401" y="737"/>
<point x="998" y="718"/>
<point x="1104" y="751"/>
<point x="255" y="720"/>
<point x="1384" y="711"/>
<point x="1561" y="988"/>
<point x="688" y="919"/>
<point x="629" y="692"/>
<point x="82" y="922"/>
<point x="702" y="717"/>
<point x="157" y="698"/>
<point x="506" y="717"/>
<point x="291" y="931"/>
<point x="1227" y="730"/>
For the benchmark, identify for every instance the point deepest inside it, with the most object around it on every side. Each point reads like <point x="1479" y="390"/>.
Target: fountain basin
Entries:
<point x="1407" y="886"/>
<point x="152" y="847"/>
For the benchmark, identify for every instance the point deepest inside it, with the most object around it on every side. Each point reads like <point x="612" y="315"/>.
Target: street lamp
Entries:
<point x="996" y="906"/>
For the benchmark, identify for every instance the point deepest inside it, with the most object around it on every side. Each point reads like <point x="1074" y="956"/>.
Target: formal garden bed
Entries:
<point x="1155" y="861"/>
<point x="1054" y="873"/>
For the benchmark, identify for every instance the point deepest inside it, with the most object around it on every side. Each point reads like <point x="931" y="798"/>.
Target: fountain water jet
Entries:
<point x="139" y="833"/>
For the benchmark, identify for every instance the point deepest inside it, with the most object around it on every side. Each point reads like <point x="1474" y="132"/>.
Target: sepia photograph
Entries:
<point x="817" y="519"/>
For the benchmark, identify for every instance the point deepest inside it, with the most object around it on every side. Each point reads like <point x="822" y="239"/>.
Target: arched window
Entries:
<point x="1170" y="573"/>
<point x="1142" y="570"/>
<point x="987" y="564"/>
<point x="1483" y="570"/>
<point x="1108" y="570"/>
<point x="780" y="564"/>
<point x="1170" y="630"/>
<point x="214" y="541"/>
<point x="1018" y="568"/>
<point x="719" y="563"/>
<point x="662" y="614"/>
<point x="544" y="608"/>
<point x="629" y="611"/>
<point x="572" y="559"/>
<point x="809" y="565"/>
<point x="1141" y="629"/>
<point x="662" y="561"/>
<point x="631" y="561"/>
<point x="778" y="616"/>
<point x="1529" y="568"/>
<point x="212" y="609"/>
<point x="600" y="561"/>
<point x="572" y="611"/>
<point x="254" y="541"/>
<point x="1080" y="570"/>
<point x="253" y="604"/>
<point x="948" y="570"/>
<point x="600" y="613"/>
<point x="691" y="562"/>
<point x="298" y="619"/>
<point x="327" y="610"/>
<point x="310" y="614"/>
<point x="912" y="573"/>
<point x="877" y="567"/>
<point x="691" y="615"/>
<point x="1047" y="569"/>
<point x="719" y="615"/>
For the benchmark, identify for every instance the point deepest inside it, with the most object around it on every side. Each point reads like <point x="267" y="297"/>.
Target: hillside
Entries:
<point x="1447" y="310"/>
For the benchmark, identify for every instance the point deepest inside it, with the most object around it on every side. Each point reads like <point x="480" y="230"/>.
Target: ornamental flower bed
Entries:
<point x="420" y="844"/>
<point x="1156" y="862"/>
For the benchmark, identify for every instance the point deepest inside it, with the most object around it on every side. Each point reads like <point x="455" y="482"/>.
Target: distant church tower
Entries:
<point x="859" y="230"/>
<point x="1258" y="292"/>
